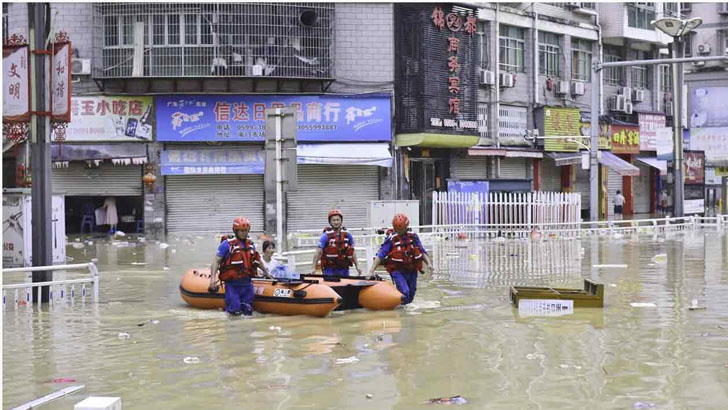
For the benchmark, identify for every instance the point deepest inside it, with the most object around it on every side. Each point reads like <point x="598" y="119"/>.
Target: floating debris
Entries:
<point x="694" y="305"/>
<point x="163" y="245"/>
<point x="346" y="360"/>
<point x="191" y="360"/>
<point x="78" y="245"/>
<point x="642" y="304"/>
<point x="123" y="336"/>
<point x="660" y="258"/>
<point x="644" y="405"/>
<point x="64" y="380"/>
<point x="119" y="234"/>
<point x="618" y="265"/>
<point x="448" y="400"/>
<point x="369" y="395"/>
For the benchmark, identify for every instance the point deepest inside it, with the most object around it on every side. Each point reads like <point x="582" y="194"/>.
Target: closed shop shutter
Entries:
<point x="583" y="186"/>
<point x="209" y="203"/>
<point x="105" y="180"/>
<point x="325" y="187"/>
<point x="550" y="176"/>
<point x="513" y="168"/>
<point x="642" y="192"/>
<point x="469" y="168"/>
<point x="614" y="184"/>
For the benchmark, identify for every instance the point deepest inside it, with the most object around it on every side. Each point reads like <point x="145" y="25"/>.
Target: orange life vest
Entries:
<point x="405" y="255"/>
<point x="338" y="253"/>
<point x="242" y="260"/>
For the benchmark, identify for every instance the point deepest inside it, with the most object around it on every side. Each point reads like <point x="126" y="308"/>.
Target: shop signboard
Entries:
<point x="707" y="107"/>
<point x="239" y="118"/>
<point x="561" y="122"/>
<point x="625" y="139"/>
<point x="714" y="141"/>
<point x="111" y="118"/>
<point x="694" y="168"/>
<point x="649" y="124"/>
<point x="207" y="161"/>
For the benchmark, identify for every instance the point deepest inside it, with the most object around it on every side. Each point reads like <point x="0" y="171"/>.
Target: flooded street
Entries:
<point x="461" y="336"/>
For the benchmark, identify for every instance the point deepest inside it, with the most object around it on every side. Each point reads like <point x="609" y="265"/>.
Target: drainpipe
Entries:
<point x="497" y="85"/>
<point x="535" y="54"/>
<point x="600" y="51"/>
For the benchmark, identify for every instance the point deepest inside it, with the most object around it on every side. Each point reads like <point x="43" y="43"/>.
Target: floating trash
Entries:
<point x="163" y="245"/>
<point x="95" y="260"/>
<point x="535" y="356"/>
<point x="694" y="305"/>
<point x="276" y="328"/>
<point x="369" y="395"/>
<point x="644" y="405"/>
<point x="448" y="400"/>
<point x="78" y="245"/>
<point x="123" y="336"/>
<point x="191" y="360"/>
<point x="64" y="380"/>
<point x="139" y="263"/>
<point x="642" y="304"/>
<point x="347" y="360"/>
<point x="618" y="265"/>
<point x="660" y="258"/>
<point x="119" y="234"/>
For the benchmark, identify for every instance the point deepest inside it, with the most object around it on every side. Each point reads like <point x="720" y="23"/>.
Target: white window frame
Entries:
<point x="665" y="77"/>
<point x="643" y="14"/>
<point x="640" y="73"/>
<point x="549" y="54"/>
<point x="512" y="47"/>
<point x="581" y="59"/>
<point x="613" y="75"/>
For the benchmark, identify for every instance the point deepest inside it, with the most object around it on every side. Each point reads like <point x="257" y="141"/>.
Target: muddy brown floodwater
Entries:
<point x="460" y="337"/>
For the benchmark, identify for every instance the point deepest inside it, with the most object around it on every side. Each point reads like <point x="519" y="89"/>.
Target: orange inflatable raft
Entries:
<point x="359" y="292"/>
<point x="282" y="297"/>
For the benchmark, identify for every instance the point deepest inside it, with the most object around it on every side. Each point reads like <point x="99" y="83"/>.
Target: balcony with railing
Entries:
<point x="213" y="40"/>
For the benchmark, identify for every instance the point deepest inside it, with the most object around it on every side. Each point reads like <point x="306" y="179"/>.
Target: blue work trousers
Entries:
<point x="239" y="296"/>
<point x="406" y="283"/>
<point x="339" y="272"/>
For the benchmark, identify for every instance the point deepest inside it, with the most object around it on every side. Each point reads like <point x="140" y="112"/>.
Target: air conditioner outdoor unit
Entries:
<point x="668" y="97"/>
<point x="487" y="77"/>
<point x="722" y="8"/>
<point x="704" y="49"/>
<point x="617" y="103"/>
<point x="639" y="95"/>
<point x="507" y="80"/>
<point x="562" y="87"/>
<point x="81" y="66"/>
<point x="578" y="88"/>
<point x="628" y="108"/>
<point x="626" y="92"/>
<point x="699" y="63"/>
<point x="668" y="107"/>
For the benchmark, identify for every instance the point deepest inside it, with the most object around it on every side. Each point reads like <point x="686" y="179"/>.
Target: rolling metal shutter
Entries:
<point x="583" y="186"/>
<point x="641" y="187"/>
<point x="513" y="168"/>
<point x="209" y="203"/>
<point x="104" y="180"/>
<point x="550" y="176"/>
<point x="469" y="168"/>
<point x="321" y="188"/>
<point x="614" y="184"/>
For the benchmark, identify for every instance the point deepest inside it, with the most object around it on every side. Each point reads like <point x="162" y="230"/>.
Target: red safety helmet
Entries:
<point x="400" y="221"/>
<point x="335" y="212"/>
<point x="241" y="223"/>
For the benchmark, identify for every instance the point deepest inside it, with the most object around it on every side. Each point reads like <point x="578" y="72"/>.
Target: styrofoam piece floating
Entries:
<point x="99" y="403"/>
<point x="545" y="307"/>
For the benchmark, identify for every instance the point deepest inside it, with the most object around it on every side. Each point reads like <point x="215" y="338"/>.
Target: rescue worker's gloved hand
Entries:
<point x="358" y="271"/>
<point x="213" y="288"/>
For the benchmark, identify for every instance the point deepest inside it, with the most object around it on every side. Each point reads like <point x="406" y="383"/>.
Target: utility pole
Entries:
<point x="39" y="19"/>
<point x="594" y="151"/>
<point x="677" y="84"/>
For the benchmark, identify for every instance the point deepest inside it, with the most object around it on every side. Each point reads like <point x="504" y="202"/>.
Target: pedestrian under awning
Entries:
<point x="345" y="154"/>
<point x="565" y="158"/>
<point x="660" y="164"/>
<point x="619" y="165"/>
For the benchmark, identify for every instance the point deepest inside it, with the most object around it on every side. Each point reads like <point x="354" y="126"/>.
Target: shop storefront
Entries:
<point x="102" y="157"/>
<point x="343" y="142"/>
<point x="654" y="137"/>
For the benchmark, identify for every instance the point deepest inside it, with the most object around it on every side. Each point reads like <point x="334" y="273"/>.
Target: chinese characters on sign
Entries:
<point x="208" y="161"/>
<point x="16" y="84"/>
<point x="714" y="141"/>
<point x="61" y="82"/>
<point x="454" y="23"/>
<point x="625" y="139"/>
<point x="694" y="167"/>
<point x="649" y="126"/>
<point x="242" y="118"/>
<point x="559" y="122"/>
<point x="111" y="118"/>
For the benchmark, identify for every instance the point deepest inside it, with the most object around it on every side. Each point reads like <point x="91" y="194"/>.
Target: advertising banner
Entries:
<point x="625" y="139"/>
<point x="714" y="141"/>
<point x="707" y="107"/>
<point x="694" y="168"/>
<point x="110" y="118"/>
<point x="242" y="117"/>
<point x="649" y="125"/>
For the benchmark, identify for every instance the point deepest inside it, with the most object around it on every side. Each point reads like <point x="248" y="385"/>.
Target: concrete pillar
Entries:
<point x="627" y="189"/>
<point x="568" y="178"/>
<point x="154" y="199"/>
<point x="536" y="164"/>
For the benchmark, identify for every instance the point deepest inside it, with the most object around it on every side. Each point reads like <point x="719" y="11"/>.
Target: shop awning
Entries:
<point x="565" y="158"/>
<point x="501" y="152"/>
<point x="619" y="165"/>
<point x="127" y="153"/>
<point x="432" y="140"/>
<point x="345" y="154"/>
<point x="208" y="161"/>
<point x="654" y="163"/>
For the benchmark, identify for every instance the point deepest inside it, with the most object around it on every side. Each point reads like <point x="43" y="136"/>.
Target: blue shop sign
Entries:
<point x="242" y="117"/>
<point x="212" y="162"/>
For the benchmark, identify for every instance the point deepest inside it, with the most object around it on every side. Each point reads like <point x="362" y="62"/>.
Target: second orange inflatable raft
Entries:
<point x="359" y="292"/>
<point x="282" y="297"/>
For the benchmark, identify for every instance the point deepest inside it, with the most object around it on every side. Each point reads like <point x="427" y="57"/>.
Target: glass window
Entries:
<point x="158" y="29"/>
<point x="206" y="28"/>
<point x="581" y="56"/>
<point x="639" y="72"/>
<point x="665" y="77"/>
<point x="671" y="9"/>
<point x="512" y="44"/>
<point x="190" y="28"/>
<point x="173" y="29"/>
<point x="548" y="53"/>
<point x="639" y="15"/>
<point x="590" y="6"/>
<point x="613" y="75"/>
<point x="111" y="30"/>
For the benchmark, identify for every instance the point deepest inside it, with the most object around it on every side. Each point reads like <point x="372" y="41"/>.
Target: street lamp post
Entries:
<point x="676" y="29"/>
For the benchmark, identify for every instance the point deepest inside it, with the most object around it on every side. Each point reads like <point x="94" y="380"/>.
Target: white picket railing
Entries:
<point x="545" y="210"/>
<point x="59" y="289"/>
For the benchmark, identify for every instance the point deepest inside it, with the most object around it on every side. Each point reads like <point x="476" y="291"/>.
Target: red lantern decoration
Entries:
<point x="149" y="178"/>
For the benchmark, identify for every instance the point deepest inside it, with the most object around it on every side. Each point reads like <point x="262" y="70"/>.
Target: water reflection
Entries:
<point x="460" y="336"/>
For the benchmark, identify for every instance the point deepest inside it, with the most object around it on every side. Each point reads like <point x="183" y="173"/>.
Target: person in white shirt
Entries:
<point x="619" y="204"/>
<point x="270" y="263"/>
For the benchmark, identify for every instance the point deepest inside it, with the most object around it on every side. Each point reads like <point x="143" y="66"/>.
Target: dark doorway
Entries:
<point x="81" y="209"/>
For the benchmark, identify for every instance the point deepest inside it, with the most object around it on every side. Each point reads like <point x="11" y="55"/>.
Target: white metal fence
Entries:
<point x="61" y="291"/>
<point x="510" y="211"/>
